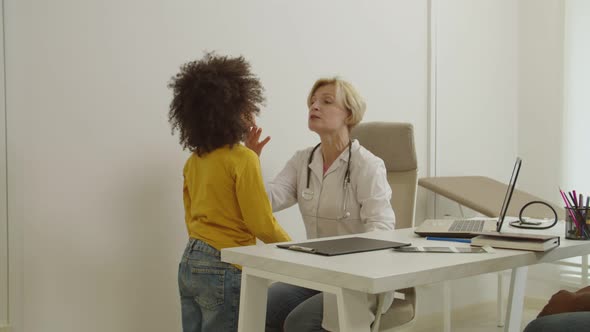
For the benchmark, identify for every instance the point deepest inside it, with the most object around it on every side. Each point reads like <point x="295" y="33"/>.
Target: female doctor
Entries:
<point x="341" y="188"/>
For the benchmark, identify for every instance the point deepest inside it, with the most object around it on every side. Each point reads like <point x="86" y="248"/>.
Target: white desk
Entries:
<point x="350" y="276"/>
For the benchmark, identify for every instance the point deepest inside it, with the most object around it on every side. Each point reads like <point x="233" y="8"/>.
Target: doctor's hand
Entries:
<point x="253" y="142"/>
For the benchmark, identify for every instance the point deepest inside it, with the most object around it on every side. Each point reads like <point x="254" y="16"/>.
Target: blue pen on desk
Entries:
<point x="451" y="239"/>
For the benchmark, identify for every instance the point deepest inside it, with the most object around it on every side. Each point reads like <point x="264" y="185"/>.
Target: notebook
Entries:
<point x="470" y="227"/>
<point x="520" y="241"/>
<point x="342" y="246"/>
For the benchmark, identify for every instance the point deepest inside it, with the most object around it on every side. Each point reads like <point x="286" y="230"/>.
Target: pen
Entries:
<point x="451" y="239"/>
<point x="301" y="248"/>
<point x="575" y="202"/>
<point x="570" y="210"/>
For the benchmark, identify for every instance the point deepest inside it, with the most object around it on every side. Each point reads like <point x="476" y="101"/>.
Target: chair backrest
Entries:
<point x="394" y="143"/>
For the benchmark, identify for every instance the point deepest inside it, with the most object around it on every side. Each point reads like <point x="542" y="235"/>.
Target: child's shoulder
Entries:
<point x="240" y="150"/>
<point x="235" y="155"/>
<point x="189" y="160"/>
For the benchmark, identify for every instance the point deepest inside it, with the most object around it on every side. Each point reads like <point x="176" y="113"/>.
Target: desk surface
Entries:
<point x="485" y="195"/>
<point x="385" y="270"/>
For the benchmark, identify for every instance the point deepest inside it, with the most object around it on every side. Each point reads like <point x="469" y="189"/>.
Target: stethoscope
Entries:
<point x="522" y="223"/>
<point x="307" y="193"/>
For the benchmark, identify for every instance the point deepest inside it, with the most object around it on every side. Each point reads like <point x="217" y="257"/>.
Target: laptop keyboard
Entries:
<point x="467" y="225"/>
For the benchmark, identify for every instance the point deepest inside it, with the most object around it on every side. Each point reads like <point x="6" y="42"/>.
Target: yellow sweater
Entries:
<point x="225" y="201"/>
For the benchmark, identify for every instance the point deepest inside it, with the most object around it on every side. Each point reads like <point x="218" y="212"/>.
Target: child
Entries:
<point x="225" y="202"/>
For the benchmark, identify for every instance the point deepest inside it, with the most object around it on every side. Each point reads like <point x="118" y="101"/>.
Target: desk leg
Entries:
<point x="352" y="311"/>
<point x="253" y="297"/>
<point x="516" y="299"/>
<point x="584" y="270"/>
<point x="380" y="305"/>
<point x="500" y="300"/>
<point x="447" y="306"/>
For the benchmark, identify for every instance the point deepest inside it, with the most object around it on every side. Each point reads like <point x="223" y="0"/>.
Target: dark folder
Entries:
<point x="342" y="246"/>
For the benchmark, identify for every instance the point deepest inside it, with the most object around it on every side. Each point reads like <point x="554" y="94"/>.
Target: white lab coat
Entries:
<point x="368" y="202"/>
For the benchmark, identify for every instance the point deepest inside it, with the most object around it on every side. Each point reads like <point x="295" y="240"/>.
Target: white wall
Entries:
<point x="477" y="91"/>
<point x="577" y="100"/>
<point x="540" y="85"/>
<point x="95" y="206"/>
<point x="3" y="219"/>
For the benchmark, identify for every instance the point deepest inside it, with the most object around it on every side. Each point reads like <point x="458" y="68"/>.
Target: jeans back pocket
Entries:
<point x="209" y="286"/>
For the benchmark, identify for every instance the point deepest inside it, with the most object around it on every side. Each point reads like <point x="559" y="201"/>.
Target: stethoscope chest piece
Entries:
<point x="307" y="194"/>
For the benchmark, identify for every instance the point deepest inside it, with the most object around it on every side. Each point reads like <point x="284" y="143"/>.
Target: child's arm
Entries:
<point x="186" y="198"/>
<point x="187" y="203"/>
<point x="254" y="203"/>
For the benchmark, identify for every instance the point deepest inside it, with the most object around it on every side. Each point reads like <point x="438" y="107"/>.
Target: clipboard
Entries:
<point x="335" y="247"/>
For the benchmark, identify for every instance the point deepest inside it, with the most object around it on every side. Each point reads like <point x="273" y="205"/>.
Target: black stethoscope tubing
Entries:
<point x="346" y="175"/>
<point x="521" y="223"/>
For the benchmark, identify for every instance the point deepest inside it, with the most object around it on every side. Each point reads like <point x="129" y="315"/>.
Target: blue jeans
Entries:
<point x="566" y="322"/>
<point x="209" y="290"/>
<point x="294" y="309"/>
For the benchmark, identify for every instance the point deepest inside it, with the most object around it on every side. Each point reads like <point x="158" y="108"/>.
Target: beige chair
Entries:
<point x="394" y="143"/>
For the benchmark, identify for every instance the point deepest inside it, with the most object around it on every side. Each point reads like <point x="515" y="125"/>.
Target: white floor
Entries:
<point x="477" y="318"/>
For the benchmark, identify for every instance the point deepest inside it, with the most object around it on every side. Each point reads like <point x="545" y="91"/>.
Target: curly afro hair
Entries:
<point x="215" y="99"/>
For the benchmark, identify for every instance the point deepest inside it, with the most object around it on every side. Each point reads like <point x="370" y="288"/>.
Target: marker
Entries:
<point x="451" y="239"/>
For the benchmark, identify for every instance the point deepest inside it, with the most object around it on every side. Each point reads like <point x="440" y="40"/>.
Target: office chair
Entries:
<point x="394" y="143"/>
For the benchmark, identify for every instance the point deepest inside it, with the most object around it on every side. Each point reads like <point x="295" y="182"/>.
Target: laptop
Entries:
<point x="468" y="228"/>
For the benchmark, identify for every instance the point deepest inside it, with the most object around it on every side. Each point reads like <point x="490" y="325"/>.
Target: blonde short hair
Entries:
<point x="347" y="95"/>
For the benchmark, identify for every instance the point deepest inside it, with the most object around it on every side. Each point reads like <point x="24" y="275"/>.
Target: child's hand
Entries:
<point x="252" y="140"/>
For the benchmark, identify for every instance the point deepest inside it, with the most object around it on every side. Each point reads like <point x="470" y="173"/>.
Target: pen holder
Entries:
<point x="578" y="229"/>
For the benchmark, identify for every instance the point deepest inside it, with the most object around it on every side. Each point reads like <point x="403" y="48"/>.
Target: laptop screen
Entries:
<point x="508" y="195"/>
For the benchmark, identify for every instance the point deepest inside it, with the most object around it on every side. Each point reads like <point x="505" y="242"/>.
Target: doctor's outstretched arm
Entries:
<point x="282" y="190"/>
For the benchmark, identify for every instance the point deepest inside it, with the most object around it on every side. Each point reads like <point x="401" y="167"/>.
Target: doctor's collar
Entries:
<point x="354" y="146"/>
<point x="318" y="157"/>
